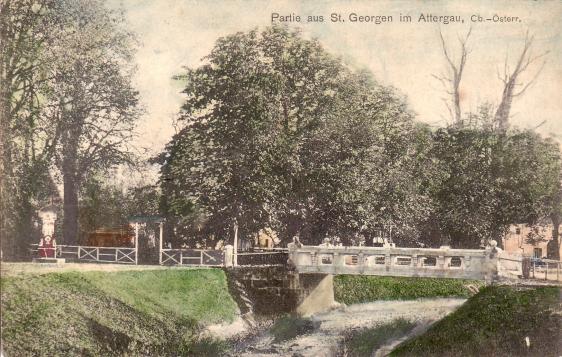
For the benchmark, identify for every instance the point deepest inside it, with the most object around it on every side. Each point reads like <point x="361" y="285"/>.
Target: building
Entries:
<point x="529" y="240"/>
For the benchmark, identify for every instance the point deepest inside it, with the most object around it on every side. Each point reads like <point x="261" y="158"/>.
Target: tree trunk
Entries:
<point x="70" y="209"/>
<point x="502" y="114"/>
<point x="71" y="184"/>
<point x="24" y="227"/>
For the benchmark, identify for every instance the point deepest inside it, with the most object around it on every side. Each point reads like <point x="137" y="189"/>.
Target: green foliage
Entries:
<point x="495" y="322"/>
<point x="362" y="343"/>
<point x="112" y="314"/>
<point x="278" y="133"/>
<point x="26" y="137"/>
<point x="487" y="181"/>
<point x="66" y="99"/>
<point x="352" y="289"/>
<point x="104" y="205"/>
<point x="289" y="327"/>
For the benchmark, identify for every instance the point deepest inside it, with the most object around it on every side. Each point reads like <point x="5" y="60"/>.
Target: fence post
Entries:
<point x="160" y="246"/>
<point x="525" y="267"/>
<point x="228" y="255"/>
<point x="136" y="243"/>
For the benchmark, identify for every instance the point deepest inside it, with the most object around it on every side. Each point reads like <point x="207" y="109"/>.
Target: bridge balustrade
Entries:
<point x="392" y="261"/>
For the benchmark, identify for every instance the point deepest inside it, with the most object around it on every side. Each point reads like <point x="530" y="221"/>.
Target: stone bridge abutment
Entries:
<point x="270" y="290"/>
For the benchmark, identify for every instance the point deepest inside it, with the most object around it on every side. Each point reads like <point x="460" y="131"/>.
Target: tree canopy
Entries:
<point x="279" y="133"/>
<point x="66" y="102"/>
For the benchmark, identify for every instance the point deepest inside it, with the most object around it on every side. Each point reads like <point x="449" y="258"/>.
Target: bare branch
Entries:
<point x="510" y="81"/>
<point x="452" y="84"/>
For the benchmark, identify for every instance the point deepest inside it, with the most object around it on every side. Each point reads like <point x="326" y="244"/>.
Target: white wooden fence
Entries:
<point x="546" y="269"/>
<point x="192" y="257"/>
<point x="119" y="255"/>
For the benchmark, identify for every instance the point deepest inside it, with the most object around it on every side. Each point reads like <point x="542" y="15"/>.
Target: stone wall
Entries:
<point x="273" y="290"/>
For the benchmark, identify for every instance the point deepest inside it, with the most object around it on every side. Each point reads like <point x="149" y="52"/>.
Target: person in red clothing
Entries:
<point x="47" y="247"/>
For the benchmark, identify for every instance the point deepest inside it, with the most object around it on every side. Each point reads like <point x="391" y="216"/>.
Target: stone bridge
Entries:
<point x="305" y="286"/>
<point x="481" y="264"/>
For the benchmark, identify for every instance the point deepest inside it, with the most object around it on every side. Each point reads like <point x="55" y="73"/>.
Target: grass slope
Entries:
<point x="354" y="289"/>
<point x="362" y="343"/>
<point x="104" y="314"/>
<point x="495" y="322"/>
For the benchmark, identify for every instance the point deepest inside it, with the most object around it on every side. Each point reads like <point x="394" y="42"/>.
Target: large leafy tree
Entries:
<point x="66" y="99"/>
<point x="26" y="137"/>
<point x="92" y="98"/>
<point x="491" y="180"/>
<point x="279" y="133"/>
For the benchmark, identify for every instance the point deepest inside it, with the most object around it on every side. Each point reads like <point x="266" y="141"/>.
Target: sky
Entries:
<point x="177" y="33"/>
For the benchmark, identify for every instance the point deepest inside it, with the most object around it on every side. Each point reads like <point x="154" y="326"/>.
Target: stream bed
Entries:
<point x="330" y="327"/>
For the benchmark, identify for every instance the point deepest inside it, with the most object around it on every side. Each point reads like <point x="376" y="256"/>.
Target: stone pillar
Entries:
<point x="48" y="216"/>
<point x="228" y="255"/>
<point x="47" y="244"/>
<point x="491" y="261"/>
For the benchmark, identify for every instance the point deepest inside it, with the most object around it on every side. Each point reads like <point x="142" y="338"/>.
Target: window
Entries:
<point x="517" y="230"/>
<point x="537" y="252"/>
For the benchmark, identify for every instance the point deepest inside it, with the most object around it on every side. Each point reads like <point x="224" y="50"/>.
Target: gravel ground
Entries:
<point x="333" y="324"/>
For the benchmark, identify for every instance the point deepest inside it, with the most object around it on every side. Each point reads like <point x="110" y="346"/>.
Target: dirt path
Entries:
<point x="10" y="269"/>
<point x="325" y="339"/>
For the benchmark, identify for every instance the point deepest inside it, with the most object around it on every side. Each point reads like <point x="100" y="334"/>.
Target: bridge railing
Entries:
<point x="263" y="257"/>
<point x="392" y="261"/>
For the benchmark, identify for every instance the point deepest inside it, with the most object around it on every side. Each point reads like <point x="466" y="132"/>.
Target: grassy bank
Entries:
<point x="354" y="289"/>
<point x="495" y="322"/>
<point x="362" y="343"/>
<point x="117" y="313"/>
